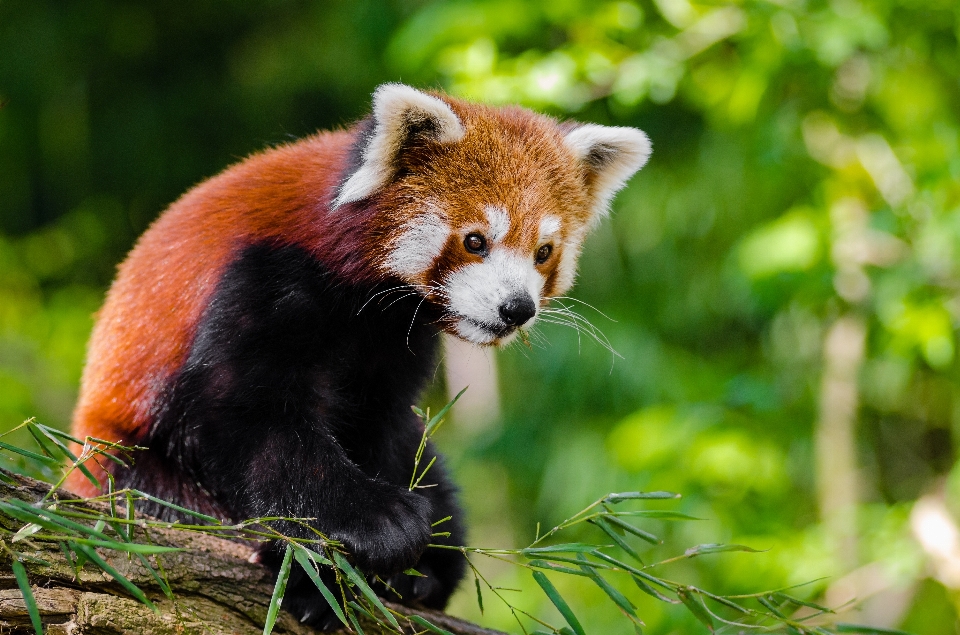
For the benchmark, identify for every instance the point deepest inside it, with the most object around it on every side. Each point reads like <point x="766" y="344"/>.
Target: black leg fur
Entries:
<point x="295" y="402"/>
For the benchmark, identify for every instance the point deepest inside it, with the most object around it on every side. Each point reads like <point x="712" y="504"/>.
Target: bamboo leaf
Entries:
<point x="20" y="573"/>
<point x="618" y="598"/>
<point x="365" y="589"/>
<point x="639" y="533"/>
<point x="116" y="575"/>
<point x="437" y="418"/>
<point x="558" y="602"/>
<point x="476" y="581"/>
<point x="543" y="564"/>
<point x="569" y="547"/>
<point x="660" y="514"/>
<point x="783" y="597"/>
<point x="308" y="564"/>
<point x="700" y="550"/>
<point x="770" y="606"/>
<point x="694" y="604"/>
<point x="25" y="532"/>
<point x="416" y="619"/>
<point x="278" y="590"/>
<point x="40" y="458"/>
<point x="356" y="624"/>
<point x="649" y="590"/>
<point x="128" y="547"/>
<point x="626" y="496"/>
<point x="607" y="529"/>
<point x="183" y="510"/>
<point x="47" y="518"/>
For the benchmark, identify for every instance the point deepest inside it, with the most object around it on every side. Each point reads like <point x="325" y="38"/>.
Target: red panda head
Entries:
<point x="483" y="210"/>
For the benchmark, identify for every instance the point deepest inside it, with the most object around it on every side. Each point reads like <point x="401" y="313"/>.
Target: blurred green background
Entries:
<point x="783" y="279"/>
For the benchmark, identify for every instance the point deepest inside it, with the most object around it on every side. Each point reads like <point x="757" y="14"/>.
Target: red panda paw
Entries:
<point x="391" y="533"/>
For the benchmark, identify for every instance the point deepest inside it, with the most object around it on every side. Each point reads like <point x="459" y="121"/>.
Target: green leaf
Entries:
<point x="437" y="418"/>
<point x="316" y="557"/>
<point x="40" y="458"/>
<point x="303" y="557"/>
<point x="161" y="582"/>
<point x="842" y="627"/>
<point x="553" y="558"/>
<point x="569" y="547"/>
<point x="129" y="547"/>
<point x="649" y="590"/>
<point x="639" y="533"/>
<point x="116" y="575"/>
<point x="783" y="597"/>
<point x="47" y="430"/>
<point x="47" y="518"/>
<point x="626" y="496"/>
<point x="416" y="619"/>
<point x="476" y="581"/>
<point x="278" y="590"/>
<point x="25" y="532"/>
<point x="660" y="514"/>
<point x="356" y="624"/>
<point x="42" y="442"/>
<point x="20" y="573"/>
<point x="130" y="516"/>
<point x="543" y="564"/>
<point x="719" y="599"/>
<point x="365" y="589"/>
<point x="618" y="598"/>
<point x="183" y="510"/>
<point x="700" y="550"/>
<point x="414" y="573"/>
<point x="558" y="602"/>
<point x="607" y="529"/>
<point x="694" y="604"/>
<point x="770" y="606"/>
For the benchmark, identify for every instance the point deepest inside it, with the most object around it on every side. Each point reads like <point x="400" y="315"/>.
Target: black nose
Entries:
<point x="517" y="310"/>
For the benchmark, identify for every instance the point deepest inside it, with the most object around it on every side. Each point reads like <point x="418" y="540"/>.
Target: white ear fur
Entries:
<point x="611" y="154"/>
<point x="395" y="108"/>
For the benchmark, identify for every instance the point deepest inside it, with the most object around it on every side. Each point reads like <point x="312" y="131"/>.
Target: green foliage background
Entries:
<point x="806" y="170"/>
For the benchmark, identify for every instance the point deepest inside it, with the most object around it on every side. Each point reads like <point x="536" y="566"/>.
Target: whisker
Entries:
<point x="405" y="295"/>
<point x="566" y="297"/>
<point x="596" y="334"/>
<point x="412" y="320"/>
<point x="379" y="293"/>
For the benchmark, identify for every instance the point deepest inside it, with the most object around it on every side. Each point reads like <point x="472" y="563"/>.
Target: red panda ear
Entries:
<point x="609" y="156"/>
<point x="399" y="113"/>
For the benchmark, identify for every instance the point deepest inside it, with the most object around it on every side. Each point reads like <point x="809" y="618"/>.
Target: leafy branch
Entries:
<point x="79" y="530"/>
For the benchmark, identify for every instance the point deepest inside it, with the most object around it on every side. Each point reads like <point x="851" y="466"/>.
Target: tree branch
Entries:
<point x="216" y="587"/>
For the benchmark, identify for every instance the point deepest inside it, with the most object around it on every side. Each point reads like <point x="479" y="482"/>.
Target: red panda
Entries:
<point x="267" y="335"/>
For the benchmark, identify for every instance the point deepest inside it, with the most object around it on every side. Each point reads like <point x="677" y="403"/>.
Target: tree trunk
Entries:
<point x="217" y="589"/>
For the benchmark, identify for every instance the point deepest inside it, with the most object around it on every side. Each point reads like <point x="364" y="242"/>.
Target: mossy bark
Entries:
<point x="217" y="589"/>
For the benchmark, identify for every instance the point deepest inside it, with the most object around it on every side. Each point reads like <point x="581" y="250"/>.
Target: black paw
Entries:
<point x="388" y="535"/>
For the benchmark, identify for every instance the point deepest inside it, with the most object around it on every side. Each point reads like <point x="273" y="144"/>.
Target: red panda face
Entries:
<point x="482" y="210"/>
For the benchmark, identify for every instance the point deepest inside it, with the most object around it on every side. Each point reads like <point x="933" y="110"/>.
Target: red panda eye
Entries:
<point x="475" y="243"/>
<point x="543" y="253"/>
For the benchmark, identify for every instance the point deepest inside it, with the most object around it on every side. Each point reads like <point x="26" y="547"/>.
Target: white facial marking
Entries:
<point x="499" y="222"/>
<point x="549" y="227"/>
<point x="418" y="245"/>
<point x="476" y="292"/>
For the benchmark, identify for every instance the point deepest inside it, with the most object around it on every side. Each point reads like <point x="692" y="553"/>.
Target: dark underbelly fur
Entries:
<point x="295" y="402"/>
